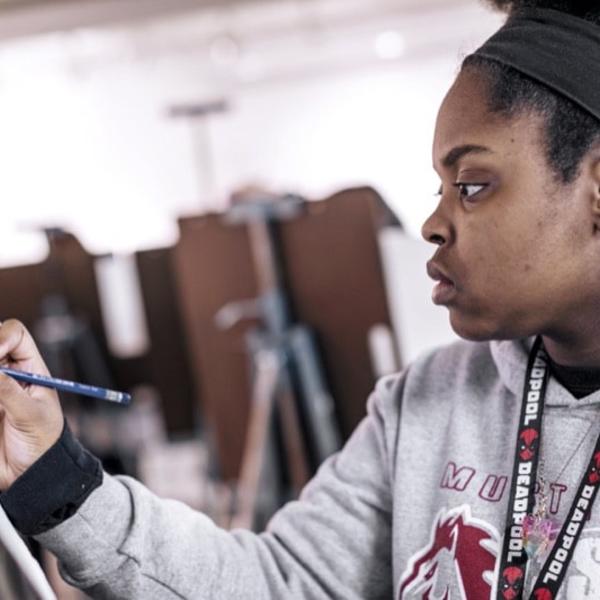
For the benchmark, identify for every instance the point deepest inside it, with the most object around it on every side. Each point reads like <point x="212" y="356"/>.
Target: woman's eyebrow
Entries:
<point x="459" y="151"/>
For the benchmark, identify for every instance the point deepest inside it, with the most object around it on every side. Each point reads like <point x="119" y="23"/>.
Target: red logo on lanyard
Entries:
<point x="512" y="582"/>
<point x="528" y="443"/>
<point x="594" y="476"/>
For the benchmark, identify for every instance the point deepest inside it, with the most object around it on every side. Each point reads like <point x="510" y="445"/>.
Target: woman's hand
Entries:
<point x="31" y="419"/>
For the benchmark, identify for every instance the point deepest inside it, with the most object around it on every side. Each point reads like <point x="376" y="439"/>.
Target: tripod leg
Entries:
<point x="295" y="444"/>
<point x="316" y="404"/>
<point x="257" y="438"/>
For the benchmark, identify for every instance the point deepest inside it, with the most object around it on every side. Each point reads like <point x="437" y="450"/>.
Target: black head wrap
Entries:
<point x="557" y="49"/>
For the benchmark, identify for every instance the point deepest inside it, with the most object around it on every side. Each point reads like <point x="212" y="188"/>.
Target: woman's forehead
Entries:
<point x="465" y="119"/>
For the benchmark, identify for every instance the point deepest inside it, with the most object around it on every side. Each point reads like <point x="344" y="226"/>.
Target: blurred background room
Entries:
<point x="215" y="205"/>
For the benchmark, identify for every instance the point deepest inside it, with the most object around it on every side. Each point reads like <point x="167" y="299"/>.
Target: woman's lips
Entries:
<point x="443" y="292"/>
<point x="445" y="289"/>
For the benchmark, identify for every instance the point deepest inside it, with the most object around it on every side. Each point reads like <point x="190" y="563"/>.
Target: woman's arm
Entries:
<point x="124" y="542"/>
<point x="335" y="542"/>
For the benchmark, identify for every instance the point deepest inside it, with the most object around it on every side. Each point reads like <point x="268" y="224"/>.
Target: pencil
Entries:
<point x="68" y="386"/>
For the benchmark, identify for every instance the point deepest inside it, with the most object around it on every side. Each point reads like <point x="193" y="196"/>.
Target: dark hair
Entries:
<point x="570" y="131"/>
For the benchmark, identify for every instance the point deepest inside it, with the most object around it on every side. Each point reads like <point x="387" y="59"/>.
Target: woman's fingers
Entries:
<point x="24" y="405"/>
<point x="14" y="399"/>
<point x="17" y="347"/>
<point x="32" y="419"/>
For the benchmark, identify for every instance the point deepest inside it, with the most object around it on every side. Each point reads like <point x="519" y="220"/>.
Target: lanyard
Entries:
<point x="513" y="560"/>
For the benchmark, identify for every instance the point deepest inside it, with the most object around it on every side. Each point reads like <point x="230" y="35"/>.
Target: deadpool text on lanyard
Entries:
<point x="513" y="560"/>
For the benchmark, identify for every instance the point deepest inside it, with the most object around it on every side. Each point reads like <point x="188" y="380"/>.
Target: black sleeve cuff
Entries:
<point x="53" y="488"/>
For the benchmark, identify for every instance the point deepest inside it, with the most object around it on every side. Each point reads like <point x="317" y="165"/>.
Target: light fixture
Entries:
<point x="390" y="45"/>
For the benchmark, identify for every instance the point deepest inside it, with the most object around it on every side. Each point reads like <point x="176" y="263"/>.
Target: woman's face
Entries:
<point x="518" y="253"/>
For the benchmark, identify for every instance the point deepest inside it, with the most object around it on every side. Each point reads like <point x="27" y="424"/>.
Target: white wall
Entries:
<point x="368" y="127"/>
<point x="419" y="325"/>
<point x="85" y="141"/>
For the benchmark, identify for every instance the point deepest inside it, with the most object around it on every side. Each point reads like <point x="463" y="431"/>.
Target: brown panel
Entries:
<point x="66" y="272"/>
<point x="336" y="282"/>
<point x="70" y="271"/>
<point x="167" y="360"/>
<point x="21" y="289"/>
<point x="213" y="267"/>
<point x="165" y="365"/>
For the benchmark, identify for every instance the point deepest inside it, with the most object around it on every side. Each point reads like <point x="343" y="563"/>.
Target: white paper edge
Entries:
<point x="30" y="568"/>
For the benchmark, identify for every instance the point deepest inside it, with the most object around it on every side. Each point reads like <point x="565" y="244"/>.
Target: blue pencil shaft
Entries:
<point x="68" y="386"/>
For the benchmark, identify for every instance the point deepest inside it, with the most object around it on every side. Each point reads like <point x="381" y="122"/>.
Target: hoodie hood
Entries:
<point x="511" y="356"/>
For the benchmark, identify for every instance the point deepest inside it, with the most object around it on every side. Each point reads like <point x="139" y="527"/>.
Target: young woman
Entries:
<point x="475" y="472"/>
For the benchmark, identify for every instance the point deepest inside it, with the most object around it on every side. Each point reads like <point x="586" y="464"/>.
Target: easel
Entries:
<point x="288" y="386"/>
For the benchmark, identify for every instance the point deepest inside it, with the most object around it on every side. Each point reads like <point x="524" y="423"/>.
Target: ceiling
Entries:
<point x="22" y="18"/>
<point x="228" y="43"/>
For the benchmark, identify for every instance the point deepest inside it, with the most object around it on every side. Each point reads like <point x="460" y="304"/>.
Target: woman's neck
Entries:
<point x="583" y="352"/>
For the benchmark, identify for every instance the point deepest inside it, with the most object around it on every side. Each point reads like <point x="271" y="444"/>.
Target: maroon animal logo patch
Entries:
<point x="458" y="561"/>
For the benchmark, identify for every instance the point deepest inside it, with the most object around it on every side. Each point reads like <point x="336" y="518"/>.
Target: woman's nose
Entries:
<point x="437" y="229"/>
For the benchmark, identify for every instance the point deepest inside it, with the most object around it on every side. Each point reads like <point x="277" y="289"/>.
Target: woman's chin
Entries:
<point x="476" y="329"/>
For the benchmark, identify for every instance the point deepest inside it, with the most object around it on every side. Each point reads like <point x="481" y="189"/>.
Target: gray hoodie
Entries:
<point x="413" y="506"/>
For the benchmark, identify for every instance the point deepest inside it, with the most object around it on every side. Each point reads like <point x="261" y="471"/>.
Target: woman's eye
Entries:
<point x="467" y="190"/>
